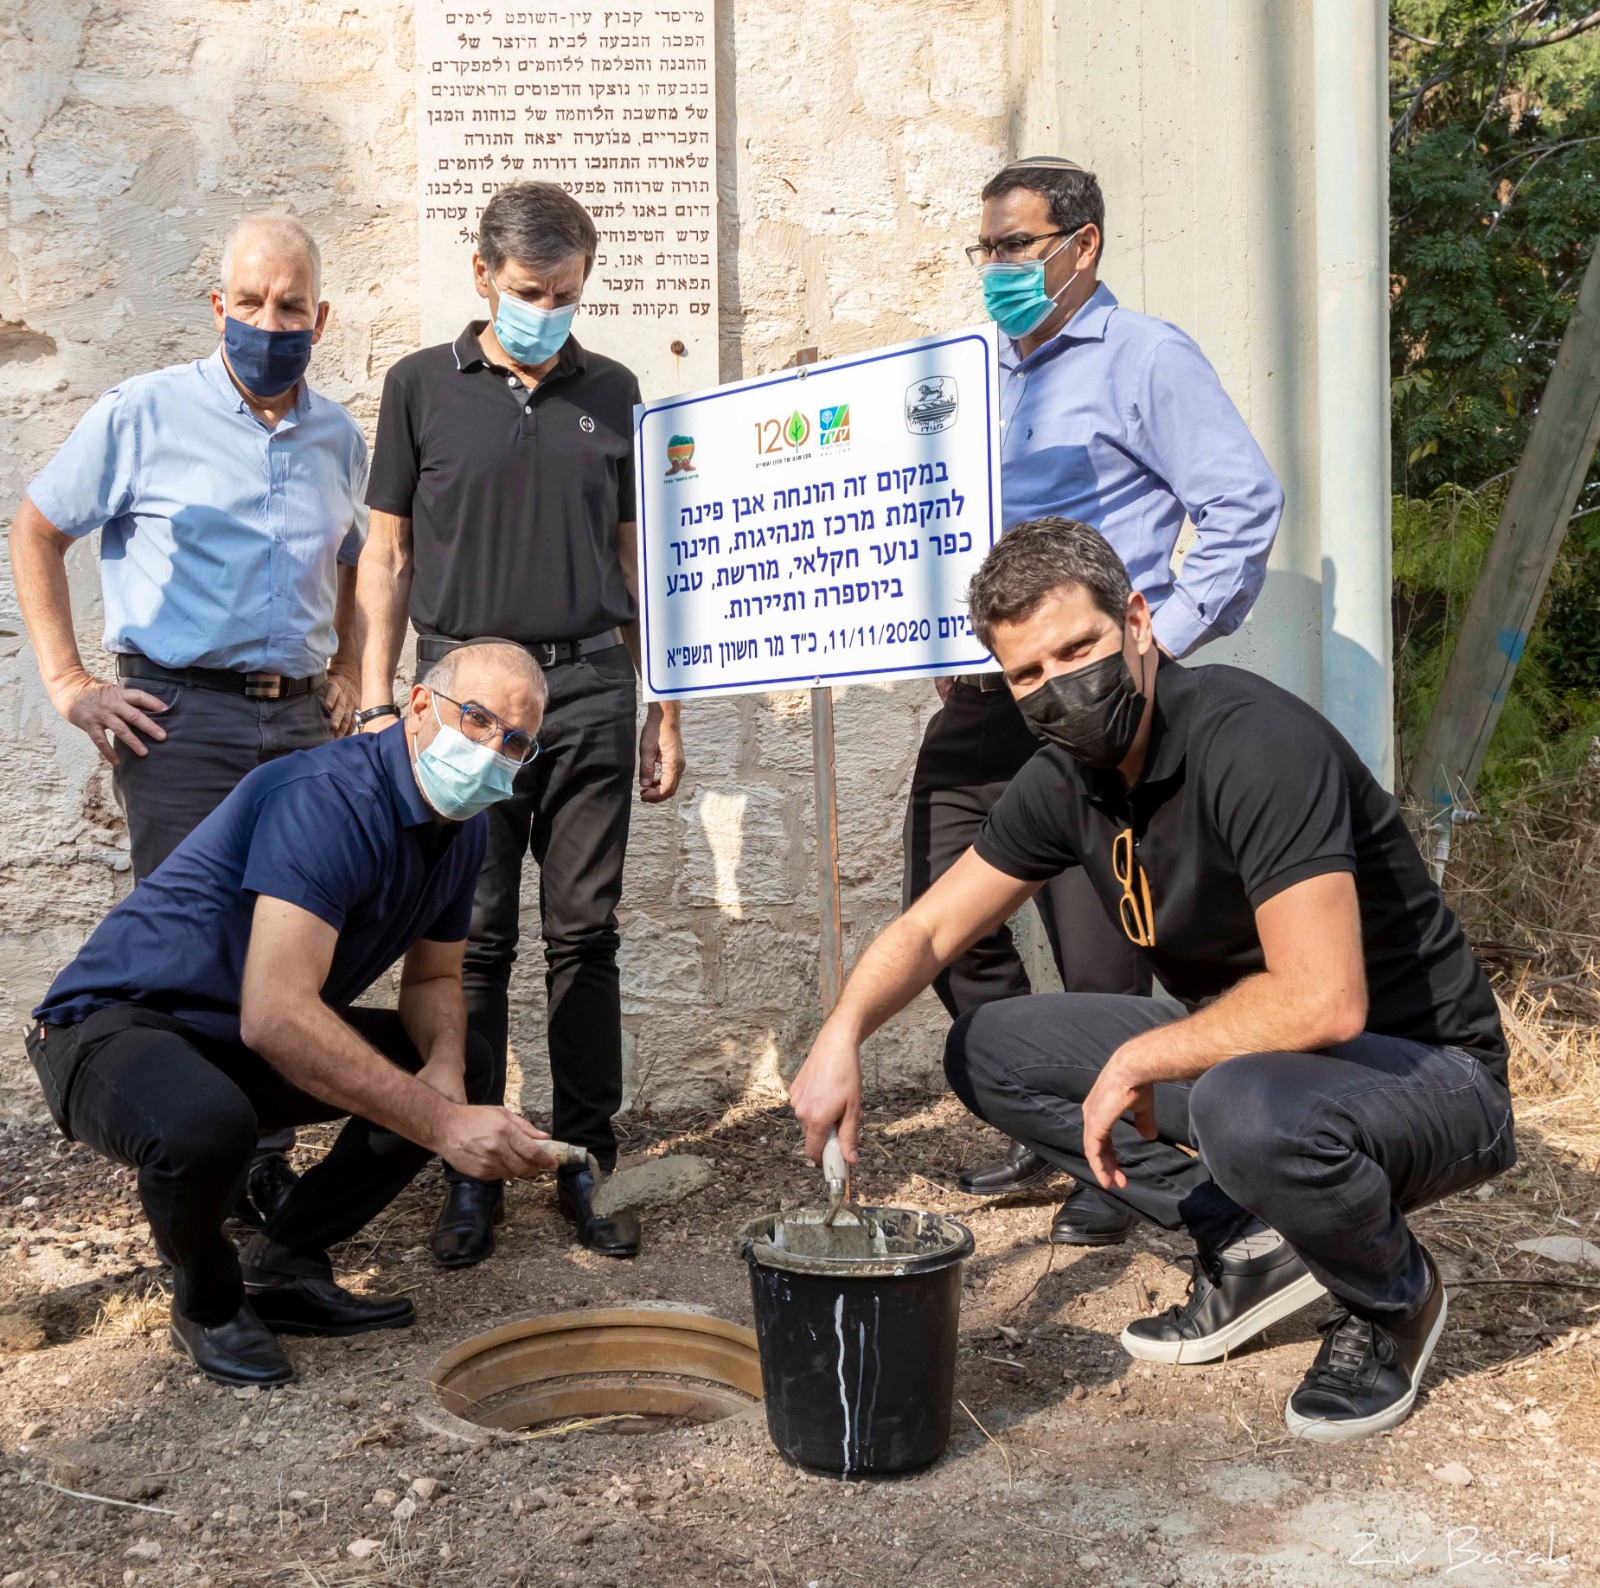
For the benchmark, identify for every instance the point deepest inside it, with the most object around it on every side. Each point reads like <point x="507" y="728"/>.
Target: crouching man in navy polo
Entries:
<point x="214" y="1002"/>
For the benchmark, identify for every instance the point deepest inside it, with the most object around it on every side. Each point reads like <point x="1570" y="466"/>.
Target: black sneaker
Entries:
<point x="1233" y="1295"/>
<point x="1366" y="1374"/>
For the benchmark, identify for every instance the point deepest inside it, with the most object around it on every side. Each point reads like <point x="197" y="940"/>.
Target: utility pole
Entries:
<point x="1511" y="586"/>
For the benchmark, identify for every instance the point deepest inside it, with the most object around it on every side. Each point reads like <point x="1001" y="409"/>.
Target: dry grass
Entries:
<point x="134" y="1312"/>
<point x="1526" y="882"/>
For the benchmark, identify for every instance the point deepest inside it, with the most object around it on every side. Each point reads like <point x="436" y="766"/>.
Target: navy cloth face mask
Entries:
<point x="265" y="363"/>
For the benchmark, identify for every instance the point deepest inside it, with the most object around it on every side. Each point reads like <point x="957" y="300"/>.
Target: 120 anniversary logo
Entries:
<point x="930" y="407"/>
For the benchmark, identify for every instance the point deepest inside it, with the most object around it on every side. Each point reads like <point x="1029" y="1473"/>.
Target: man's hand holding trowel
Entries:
<point x="907" y="955"/>
<point x="826" y="1094"/>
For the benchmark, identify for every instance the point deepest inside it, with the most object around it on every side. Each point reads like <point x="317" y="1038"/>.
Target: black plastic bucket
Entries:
<point x="858" y="1353"/>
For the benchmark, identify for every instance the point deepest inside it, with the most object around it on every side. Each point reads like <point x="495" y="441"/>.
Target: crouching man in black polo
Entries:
<point x="1337" y="1058"/>
<point x="213" y="1003"/>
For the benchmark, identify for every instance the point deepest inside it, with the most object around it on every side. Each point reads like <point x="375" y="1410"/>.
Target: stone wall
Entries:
<point x="852" y="139"/>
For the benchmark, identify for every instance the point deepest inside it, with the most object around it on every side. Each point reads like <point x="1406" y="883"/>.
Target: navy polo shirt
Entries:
<point x="341" y="831"/>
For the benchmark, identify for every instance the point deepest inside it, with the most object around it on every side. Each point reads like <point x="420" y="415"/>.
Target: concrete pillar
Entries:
<point x="1352" y="183"/>
<point x="1200" y="119"/>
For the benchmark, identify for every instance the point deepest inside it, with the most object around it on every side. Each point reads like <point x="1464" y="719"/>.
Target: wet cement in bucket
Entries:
<point x="863" y="1242"/>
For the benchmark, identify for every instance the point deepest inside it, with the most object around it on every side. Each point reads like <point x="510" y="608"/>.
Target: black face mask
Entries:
<point x="1092" y="714"/>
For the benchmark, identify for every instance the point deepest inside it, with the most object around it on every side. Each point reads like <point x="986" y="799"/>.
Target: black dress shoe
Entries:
<point x="1233" y="1295"/>
<point x="1088" y="1219"/>
<point x="1366" y="1375"/>
<point x="240" y="1351"/>
<point x="617" y="1236"/>
<point x="267" y="1185"/>
<point x="297" y="1295"/>
<point x="464" y="1233"/>
<point x="1020" y="1170"/>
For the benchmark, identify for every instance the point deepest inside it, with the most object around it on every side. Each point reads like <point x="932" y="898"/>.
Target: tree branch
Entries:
<point x="1558" y="35"/>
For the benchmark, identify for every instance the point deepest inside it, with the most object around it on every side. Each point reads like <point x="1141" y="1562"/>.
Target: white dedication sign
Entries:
<point x="618" y="107"/>
<point x="819" y="525"/>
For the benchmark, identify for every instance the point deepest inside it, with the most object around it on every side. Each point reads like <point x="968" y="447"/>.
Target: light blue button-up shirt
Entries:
<point x="222" y="537"/>
<point x="1118" y="421"/>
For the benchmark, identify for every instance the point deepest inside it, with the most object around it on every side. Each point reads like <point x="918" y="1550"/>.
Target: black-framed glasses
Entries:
<point x="1008" y="248"/>
<point x="481" y="726"/>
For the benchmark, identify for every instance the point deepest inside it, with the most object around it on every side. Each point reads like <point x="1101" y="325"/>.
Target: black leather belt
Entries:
<point x="253" y="686"/>
<point x="547" y="653"/>
<point x="984" y="683"/>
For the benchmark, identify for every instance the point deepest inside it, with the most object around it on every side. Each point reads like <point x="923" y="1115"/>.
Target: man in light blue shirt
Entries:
<point x="1114" y="419"/>
<point x="232" y="521"/>
<point x="229" y="496"/>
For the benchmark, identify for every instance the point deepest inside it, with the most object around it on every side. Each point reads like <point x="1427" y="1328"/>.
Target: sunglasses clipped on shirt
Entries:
<point x="1134" y="909"/>
<point x="481" y="726"/>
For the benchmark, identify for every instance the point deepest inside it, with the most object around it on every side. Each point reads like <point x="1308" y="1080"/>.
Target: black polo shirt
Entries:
<point x="514" y="496"/>
<point x="1246" y="791"/>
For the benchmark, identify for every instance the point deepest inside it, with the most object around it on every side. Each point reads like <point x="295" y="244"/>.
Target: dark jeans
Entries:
<point x="1330" y="1149"/>
<point x="184" y="1109"/>
<point x="213" y="739"/>
<point x="973" y="748"/>
<point x="570" y="810"/>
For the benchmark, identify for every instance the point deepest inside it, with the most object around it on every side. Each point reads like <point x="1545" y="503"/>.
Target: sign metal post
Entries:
<point x="826" y="788"/>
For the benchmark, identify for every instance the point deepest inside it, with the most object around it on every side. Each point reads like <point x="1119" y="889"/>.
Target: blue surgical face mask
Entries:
<point x="459" y="778"/>
<point x="1014" y="295"/>
<point x="265" y="363"/>
<point x="531" y="335"/>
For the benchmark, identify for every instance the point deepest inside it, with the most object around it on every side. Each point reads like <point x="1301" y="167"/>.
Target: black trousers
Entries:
<point x="184" y="1110"/>
<point x="1330" y="1149"/>
<point x="973" y="748"/>
<point x="570" y="810"/>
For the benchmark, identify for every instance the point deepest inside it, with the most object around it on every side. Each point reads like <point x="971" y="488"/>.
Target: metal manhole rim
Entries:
<point x="653" y="1323"/>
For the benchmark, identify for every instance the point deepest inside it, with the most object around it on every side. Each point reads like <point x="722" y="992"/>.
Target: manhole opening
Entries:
<point x="624" y="1370"/>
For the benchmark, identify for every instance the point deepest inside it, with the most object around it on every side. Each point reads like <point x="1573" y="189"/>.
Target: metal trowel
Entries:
<point x="837" y="1173"/>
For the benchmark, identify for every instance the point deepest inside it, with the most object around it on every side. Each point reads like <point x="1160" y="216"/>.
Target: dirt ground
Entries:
<point x="1068" y="1464"/>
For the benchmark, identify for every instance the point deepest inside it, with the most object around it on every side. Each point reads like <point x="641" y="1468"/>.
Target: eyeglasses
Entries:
<point x="1137" y="913"/>
<point x="1008" y="249"/>
<point x="481" y="726"/>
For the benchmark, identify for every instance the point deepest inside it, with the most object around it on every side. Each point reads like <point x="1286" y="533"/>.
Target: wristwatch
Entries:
<point x="373" y="712"/>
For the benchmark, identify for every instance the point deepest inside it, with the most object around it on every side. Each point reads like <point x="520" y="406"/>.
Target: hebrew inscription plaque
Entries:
<point x="618" y="107"/>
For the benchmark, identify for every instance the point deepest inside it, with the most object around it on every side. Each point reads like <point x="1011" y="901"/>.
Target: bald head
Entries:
<point x="488" y="665"/>
<point x="494" y="674"/>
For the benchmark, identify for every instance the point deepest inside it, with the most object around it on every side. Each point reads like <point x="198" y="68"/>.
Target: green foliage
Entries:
<point x="1495" y="209"/>
<point x="1553" y="710"/>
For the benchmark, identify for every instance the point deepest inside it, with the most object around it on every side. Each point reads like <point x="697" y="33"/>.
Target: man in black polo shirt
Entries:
<point x="1337" y="1058"/>
<point x="502" y="497"/>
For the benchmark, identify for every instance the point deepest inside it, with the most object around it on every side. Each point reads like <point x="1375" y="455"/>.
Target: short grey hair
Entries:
<point x="289" y="234"/>
<point x="1035" y="558"/>
<point x="537" y="224"/>
<point x="514" y="658"/>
